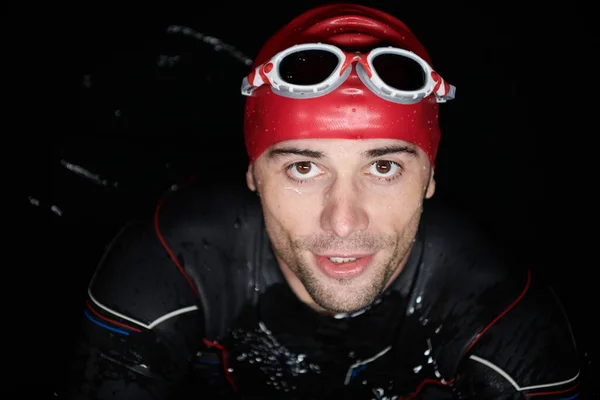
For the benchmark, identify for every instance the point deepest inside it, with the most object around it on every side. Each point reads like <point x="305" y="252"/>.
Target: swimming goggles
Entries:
<point x="314" y="69"/>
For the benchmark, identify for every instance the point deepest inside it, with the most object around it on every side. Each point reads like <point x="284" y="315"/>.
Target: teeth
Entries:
<point x="340" y="260"/>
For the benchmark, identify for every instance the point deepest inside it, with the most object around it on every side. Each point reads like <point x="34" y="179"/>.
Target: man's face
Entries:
<point x="341" y="214"/>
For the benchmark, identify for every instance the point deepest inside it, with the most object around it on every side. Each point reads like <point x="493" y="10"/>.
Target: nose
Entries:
<point x="343" y="213"/>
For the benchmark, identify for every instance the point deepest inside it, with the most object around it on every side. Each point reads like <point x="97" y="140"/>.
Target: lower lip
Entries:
<point x="343" y="270"/>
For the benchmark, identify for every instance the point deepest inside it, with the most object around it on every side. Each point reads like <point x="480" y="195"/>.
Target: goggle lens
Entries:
<point x="399" y="72"/>
<point x="308" y="67"/>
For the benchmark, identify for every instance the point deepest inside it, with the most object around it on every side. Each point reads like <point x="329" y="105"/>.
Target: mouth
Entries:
<point x="343" y="266"/>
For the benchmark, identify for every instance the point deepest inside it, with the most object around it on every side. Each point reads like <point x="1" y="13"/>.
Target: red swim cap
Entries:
<point x="351" y="111"/>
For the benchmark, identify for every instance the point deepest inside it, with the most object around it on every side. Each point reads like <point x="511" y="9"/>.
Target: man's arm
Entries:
<point x="526" y="352"/>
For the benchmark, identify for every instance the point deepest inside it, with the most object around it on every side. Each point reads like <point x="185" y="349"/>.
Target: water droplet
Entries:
<point x="354" y="110"/>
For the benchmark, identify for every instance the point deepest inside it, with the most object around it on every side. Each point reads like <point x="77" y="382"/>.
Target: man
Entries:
<point x="331" y="277"/>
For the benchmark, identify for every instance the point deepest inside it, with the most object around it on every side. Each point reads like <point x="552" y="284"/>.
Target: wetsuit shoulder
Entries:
<point x="200" y="244"/>
<point x="497" y="327"/>
<point x="138" y="281"/>
<point x="158" y="293"/>
<point x="216" y="235"/>
<point x="526" y="350"/>
<point x="142" y="322"/>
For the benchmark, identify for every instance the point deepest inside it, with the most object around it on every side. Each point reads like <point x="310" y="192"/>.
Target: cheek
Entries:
<point x="391" y="208"/>
<point x="292" y="209"/>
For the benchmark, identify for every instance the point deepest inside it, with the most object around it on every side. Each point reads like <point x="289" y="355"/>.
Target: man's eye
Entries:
<point x="384" y="168"/>
<point x="303" y="170"/>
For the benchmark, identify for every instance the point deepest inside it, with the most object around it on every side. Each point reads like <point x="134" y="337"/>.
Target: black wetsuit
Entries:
<point x="193" y="305"/>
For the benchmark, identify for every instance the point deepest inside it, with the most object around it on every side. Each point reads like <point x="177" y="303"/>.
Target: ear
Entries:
<point x="250" y="178"/>
<point x="430" y="185"/>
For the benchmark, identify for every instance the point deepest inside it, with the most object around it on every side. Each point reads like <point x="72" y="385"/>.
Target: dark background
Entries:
<point x="150" y="107"/>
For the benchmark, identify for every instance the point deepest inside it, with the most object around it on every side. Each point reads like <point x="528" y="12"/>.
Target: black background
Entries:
<point x="141" y="119"/>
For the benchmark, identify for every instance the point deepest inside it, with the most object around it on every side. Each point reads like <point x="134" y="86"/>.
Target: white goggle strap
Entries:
<point x="443" y="90"/>
<point x="256" y="81"/>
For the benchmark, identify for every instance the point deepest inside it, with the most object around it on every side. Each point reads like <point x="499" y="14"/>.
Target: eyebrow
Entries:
<point x="287" y="151"/>
<point x="384" y="151"/>
<point x="371" y="153"/>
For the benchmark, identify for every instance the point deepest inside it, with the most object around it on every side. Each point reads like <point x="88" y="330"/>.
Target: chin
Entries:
<point x="346" y="294"/>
